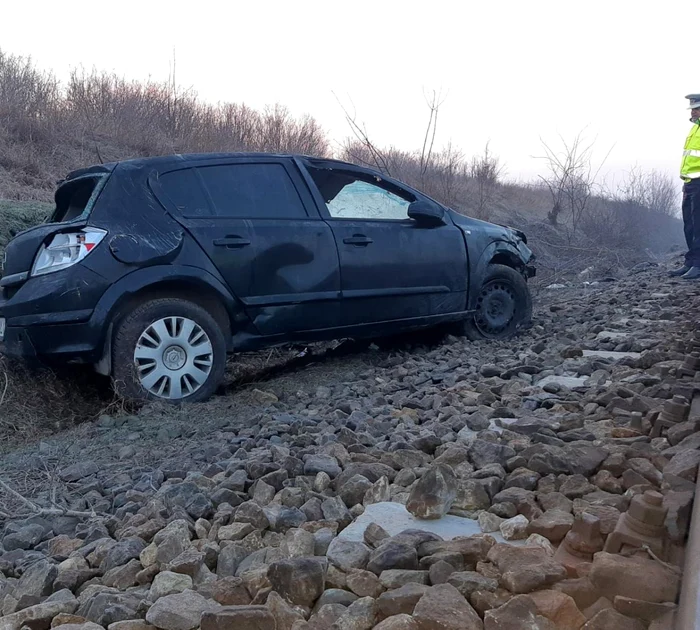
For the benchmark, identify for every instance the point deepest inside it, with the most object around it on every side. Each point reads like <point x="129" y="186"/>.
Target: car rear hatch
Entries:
<point x="75" y="199"/>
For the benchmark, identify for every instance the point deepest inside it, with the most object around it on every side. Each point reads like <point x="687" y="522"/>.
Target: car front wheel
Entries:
<point x="168" y="349"/>
<point x="503" y="305"/>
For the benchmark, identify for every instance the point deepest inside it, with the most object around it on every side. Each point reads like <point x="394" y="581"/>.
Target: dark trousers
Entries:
<point x="691" y="221"/>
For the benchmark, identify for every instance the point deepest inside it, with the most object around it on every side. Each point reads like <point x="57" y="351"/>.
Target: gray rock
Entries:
<point x="466" y="582"/>
<point x="251" y="512"/>
<point x="37" y="616"/>
<point x="398" y="622"/>
<point x="401" y="600"/>
<point x="433" y="495"/>
<point x="314" y="464"/>
<point x="240" y="618"/>
<point x="584" y="459"/>
<point x="549" y="462"/>
<point x="523" y="478"/>
<point x="393" y="555"/>
<point x="122" y="552"/>
<point x="482" y="453"/>
<point x="684" y="465"/>
<point x="300" y="581"/>
<point x="26" y="538"/>
<point x="78" y="471"/>
<point x="230" y="559"/>
<point x="335" y="510"/>
<point x="199" y="506"/>
<point x="445" y="608"/>
<point x="519" y="612"/>
<point x="180" y="611"/>
<point x="37" y="580"/>
<point x="346" y="554"/>
<point x="167" y="583"/>
<point x="576" y="486"/>
<point x="354" y="489"/>
<point x="336" y="596"/>
<point x="360" y="615"/>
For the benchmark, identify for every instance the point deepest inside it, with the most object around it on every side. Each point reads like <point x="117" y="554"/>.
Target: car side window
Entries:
<point x="252" y="191"/>
<point x="350" y="196"/>
<point x="185" y="192"/>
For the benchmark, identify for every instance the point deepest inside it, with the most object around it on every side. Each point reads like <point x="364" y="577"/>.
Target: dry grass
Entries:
<point x="35" y="401"/>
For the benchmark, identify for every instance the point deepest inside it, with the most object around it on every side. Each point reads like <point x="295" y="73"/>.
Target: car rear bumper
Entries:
<point x="63" y="341"/>
<point x="34" y="329"/>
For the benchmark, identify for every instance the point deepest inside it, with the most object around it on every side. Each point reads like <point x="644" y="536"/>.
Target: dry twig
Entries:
<point x="38" y="510"/>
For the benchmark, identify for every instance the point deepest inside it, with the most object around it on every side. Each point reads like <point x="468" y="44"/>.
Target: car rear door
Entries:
<point x="392" y="267"/>
<point x="256" y="220"/>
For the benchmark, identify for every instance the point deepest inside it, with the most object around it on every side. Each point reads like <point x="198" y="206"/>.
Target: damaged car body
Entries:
<point x="155" y="269"/>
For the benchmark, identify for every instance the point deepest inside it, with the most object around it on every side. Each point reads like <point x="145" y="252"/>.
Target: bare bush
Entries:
<point x="653" y="190"/>
<point x="571" y="180"/>
<point x="485" y="171"/>
<point x="47" y="129"/>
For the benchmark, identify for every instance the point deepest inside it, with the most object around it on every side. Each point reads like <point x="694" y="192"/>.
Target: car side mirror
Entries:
<point x="426" y="213"/>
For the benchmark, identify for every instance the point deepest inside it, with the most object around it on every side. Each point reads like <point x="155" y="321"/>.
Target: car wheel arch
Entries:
<point x="496" y="253"/>
<point x="152" y="283"/>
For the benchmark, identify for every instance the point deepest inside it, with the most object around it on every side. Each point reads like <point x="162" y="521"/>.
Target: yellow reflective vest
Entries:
<point x="690" y="166"/>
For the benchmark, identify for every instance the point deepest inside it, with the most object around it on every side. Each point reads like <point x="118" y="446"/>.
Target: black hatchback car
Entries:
<point x="155" y="269"/>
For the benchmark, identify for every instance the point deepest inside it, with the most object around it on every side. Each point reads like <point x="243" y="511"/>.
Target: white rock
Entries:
<point x="537" y="540"/>
<point x="603" y="354"/>
<point x="395" y="518"/>
<point x="514" y="528"/>
<point x="489" y="522"/>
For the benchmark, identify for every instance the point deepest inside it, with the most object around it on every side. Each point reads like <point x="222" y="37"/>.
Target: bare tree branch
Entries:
<point x="35" y="509"/>
<point x="360" y="132"/>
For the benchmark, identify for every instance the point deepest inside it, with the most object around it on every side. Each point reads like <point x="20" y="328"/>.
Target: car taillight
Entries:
<point x="66" y="249"/>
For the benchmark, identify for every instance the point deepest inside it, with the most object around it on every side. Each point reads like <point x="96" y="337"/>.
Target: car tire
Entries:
<point x="170" y="350"/>
<point x="504" y="305"/>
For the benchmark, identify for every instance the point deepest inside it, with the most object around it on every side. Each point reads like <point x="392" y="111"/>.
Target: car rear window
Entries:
<point x="76" y="197"/>
<point x="252" y="191"/>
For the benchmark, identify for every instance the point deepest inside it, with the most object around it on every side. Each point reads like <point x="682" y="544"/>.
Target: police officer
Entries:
<point x="690" y="173"/>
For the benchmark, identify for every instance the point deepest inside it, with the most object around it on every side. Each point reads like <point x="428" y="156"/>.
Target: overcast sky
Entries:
<point x="511" y="72"/>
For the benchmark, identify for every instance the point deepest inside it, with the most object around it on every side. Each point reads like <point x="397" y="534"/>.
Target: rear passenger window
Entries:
<point x="185" y="192"/>
<point x="252" y="191"/>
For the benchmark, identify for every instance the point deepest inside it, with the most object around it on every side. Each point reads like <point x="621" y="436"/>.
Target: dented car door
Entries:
<point x="264" y="234"/>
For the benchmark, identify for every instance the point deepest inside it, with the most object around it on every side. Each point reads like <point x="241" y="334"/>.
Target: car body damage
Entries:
<point x="277" y="248"/>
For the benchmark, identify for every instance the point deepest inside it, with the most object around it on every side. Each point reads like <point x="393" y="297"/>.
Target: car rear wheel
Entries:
<point x="168" y="349"/>
<point x="503" y="306"/>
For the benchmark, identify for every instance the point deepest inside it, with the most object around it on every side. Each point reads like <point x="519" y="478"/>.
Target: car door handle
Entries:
<point x="231" y="242"/>
<point x="359" y="240"/>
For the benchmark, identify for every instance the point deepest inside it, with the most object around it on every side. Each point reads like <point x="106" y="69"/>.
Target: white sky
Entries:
<point x="511" y="72"/>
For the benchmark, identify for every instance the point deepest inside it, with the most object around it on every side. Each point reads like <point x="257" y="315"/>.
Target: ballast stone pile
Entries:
<point x="246" y="530"/>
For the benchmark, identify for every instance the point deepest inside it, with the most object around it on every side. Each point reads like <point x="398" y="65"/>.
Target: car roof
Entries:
<point x="164" y="161"/>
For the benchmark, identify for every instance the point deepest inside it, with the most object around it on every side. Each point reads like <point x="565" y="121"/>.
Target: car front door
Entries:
<point x="392" y="267"/>
<point x="259" y="225"/>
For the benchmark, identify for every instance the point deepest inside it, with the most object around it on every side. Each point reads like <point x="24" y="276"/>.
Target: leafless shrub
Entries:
<point x="47" y="129"/>
<point x="571" y="180"/>
<point x="654" y="190"/>
<point x="485" y="171"/>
